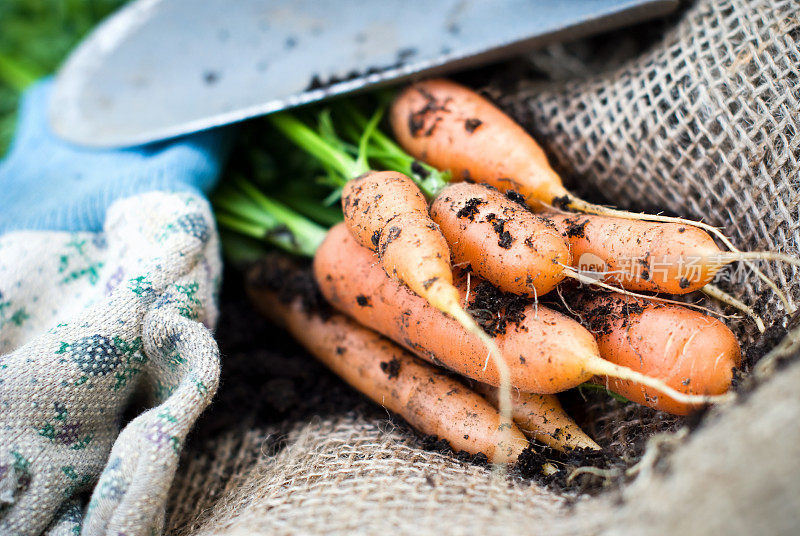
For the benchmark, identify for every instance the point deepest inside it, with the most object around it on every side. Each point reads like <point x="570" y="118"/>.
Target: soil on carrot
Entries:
<point x="504" y="238"/>
<point x="517" y="197"/>
<point x="494" y="309"/>
<point x="391" y="368"/>
<point x="577" y="228"/>
<point x="471" y="124"/>
<point x="418" y="118"/>
<point x="470" y="209"/>
<point x="599" y="318"/>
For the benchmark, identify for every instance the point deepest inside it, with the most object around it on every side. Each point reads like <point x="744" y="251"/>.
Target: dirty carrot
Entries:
<point x="426" y="397"/>
<point x="687" y="350"/>
<point x="496" y="237"/>
<point x="500" y="240"/>
<point x="650" y="256"/>
<point x="545" y="352"/>
<point x="386" y="212"/>
<point x="541" y="417"/>
<point x="453" y="128"/>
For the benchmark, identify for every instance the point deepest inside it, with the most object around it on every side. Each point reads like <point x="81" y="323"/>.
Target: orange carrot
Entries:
<point x="545" y="352"/>
<point x="502" y="241"/>
<point x="651" y="256"/>
<point x="427" y="398"/>
<point x="453" y="128"/>
<point x="639" y="255"/>
<point x="687" y="350"/>
<point x="541" y="417"/>
<point x="387" y="213"/>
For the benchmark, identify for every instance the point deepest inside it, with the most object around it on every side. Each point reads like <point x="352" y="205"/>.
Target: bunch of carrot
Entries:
<point x="444" y="250"/>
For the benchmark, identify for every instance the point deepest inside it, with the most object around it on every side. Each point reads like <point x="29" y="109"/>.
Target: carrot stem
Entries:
<point x="250" y="212"/>
<point x="389" y="155"/>
<point x="239" y="225"/>
<point x="311" y="208"/>
<point x="317" y="146"/>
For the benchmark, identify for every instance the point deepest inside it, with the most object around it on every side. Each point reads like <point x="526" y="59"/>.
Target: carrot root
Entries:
<point x="541" y="417"/>
<point x="601" y="367"/>
<point x="728" y="257"/>
<point x="586" y="280"/>
<point x="723" y="297"/>
<point x="455" y="310"/>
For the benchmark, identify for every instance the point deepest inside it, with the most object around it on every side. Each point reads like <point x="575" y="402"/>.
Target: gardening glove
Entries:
<point x="109" y="265"/>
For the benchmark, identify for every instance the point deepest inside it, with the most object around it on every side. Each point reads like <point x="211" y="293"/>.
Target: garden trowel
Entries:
<point x="161" y="68"/>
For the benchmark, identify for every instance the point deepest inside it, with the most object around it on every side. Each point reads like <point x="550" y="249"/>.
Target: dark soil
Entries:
<point x="290" y="279"/>
<point x="518" y="198"/>
<point x="418" y="169"/>
<point x="471" y="124"/>
<point x="267" y="379"/>
<point x="470" y="209"/>
<point x="576" y="228"/>
<point x="418" y="118"/>
<point x="494" y="309"/>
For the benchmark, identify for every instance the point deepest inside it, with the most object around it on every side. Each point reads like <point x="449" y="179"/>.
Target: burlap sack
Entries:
<point x="705" y="124"/>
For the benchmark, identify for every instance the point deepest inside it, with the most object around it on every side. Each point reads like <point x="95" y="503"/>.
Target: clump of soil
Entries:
<point x="494" y="309"/>
<point x="518" y="198"/>
<point x="416" y="119"/>
<point x="576" y="228"/>
<point x="471" y="124"/>
<point x="535" y="458"/>
<point x="504" y="238"/>
<point x="599" y="318"/>
<point x="470" y="209"/>
<point x="391" y="368"/>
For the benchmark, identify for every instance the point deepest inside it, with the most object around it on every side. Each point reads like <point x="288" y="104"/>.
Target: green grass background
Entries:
<point x="35" y="36"/>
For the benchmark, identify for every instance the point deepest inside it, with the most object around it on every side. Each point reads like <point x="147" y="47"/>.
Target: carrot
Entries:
<point x="427" y="398"/>
<point x="545" y="352"/>
<point x="541" y="417"/>
<point x="387" y="212"/>
<point x="647" y="256"/>
<point x="687" y="350"/>
<point x="453" y="128"/>
<point x="639" y="255"/>
<point x="502" y="241"/>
